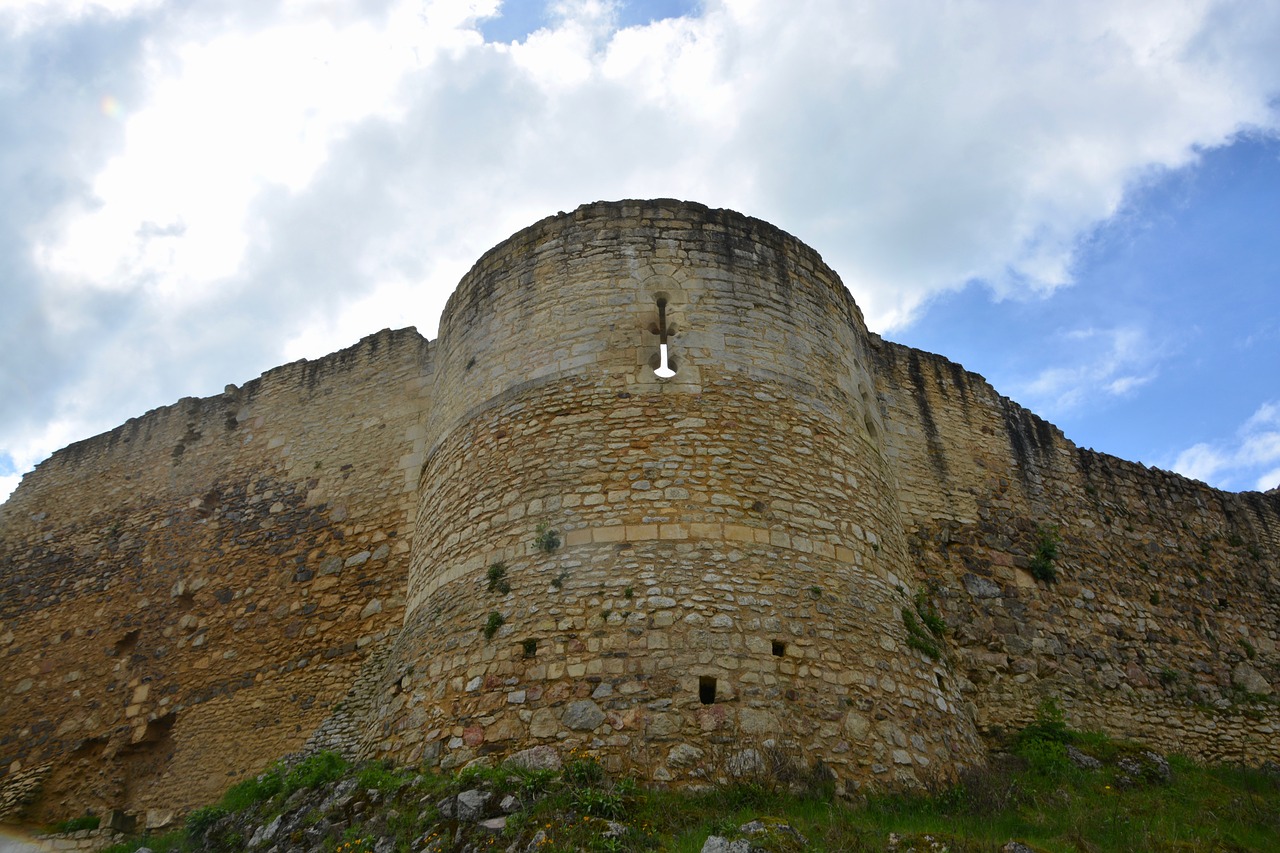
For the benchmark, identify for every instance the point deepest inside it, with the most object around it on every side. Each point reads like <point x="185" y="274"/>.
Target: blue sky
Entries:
<point x="1078" y="201"/>
<point x="515" y="21"/>
<point x="1175" y="301"/>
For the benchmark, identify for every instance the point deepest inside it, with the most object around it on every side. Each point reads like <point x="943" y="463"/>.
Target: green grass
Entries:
<point x="244" y="794"/>
<point x="1030" y="791"/>
<point x="1201" y="809"/>
<point x="383" y="777"/>
<point x="76" y="824"/>
<point x="316" y="769"/>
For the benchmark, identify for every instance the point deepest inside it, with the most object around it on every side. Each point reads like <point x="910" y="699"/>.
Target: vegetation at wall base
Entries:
<point x="1048" y="787"/>
<point x="77" y="824"/>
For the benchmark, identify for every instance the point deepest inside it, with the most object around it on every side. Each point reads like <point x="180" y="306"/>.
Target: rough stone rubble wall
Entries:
<point x="1163" y="623"/>
<point x="734" y="524"/>
<point x="186" y="596"/>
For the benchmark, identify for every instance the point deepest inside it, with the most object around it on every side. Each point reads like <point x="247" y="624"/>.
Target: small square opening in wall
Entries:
<point x="779" y="648"/>
<point x="706" y="690"/>
<point x="530" y="648"/>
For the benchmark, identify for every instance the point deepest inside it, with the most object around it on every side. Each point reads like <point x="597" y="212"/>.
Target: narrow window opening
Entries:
<point x="664" y="367"/>
<point x="942" y="683"/>
<point x="664" y="370"/>
<point x="706" y="690"/>
<point x="779" y="648"/>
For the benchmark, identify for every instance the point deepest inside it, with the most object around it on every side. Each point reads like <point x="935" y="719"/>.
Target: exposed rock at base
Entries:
<point x="494" y="824"/>
<point x="468" y="805"/>
<point x="536" y="758"/>
<point x="1016" y="847"/>
<point x="1084" y="762"/>
<point x="763" y="835"/>
<point x="1145" y="768"/>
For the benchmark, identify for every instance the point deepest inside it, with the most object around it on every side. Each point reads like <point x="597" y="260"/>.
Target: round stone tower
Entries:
<point x="655" y="520"/>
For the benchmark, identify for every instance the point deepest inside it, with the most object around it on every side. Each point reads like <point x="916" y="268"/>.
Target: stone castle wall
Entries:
<point x="207" y="587"/>
<point x="184" y="597"/>
<point x="1163" y="623"/>
<point x="692" y="557"/>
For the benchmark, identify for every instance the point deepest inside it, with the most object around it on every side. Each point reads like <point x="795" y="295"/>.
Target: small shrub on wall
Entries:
<point x="1046" y="552"/>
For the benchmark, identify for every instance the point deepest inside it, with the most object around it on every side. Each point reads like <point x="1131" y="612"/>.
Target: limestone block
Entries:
<point x="662" y="725"/>
<point x="536" y="758"/>
<point x="544" y="723"/>
<point x="683" y="755"/>
<point x="582" y="715"/>
<point x="1248" y="678"/>
<point x="753" y="721"/>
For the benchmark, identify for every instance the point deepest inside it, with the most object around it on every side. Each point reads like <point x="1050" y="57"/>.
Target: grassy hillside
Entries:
<point x="1047" y="787"/>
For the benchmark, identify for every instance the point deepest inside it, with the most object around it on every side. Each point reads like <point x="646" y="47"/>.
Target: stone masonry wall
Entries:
<point x="183" y="598"/>
<point x="219" y="582"/>
<point x="730" y="564"/>
<point x="1163" y="623"/>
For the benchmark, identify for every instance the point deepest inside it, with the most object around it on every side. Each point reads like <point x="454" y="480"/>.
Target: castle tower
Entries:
<point x="670" y="563"/>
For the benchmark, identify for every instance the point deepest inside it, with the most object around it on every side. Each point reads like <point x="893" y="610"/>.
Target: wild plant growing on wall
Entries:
<point x="547" y="540"/>
<point x="497" y="576"/>
<point x="925" y="628"/>
<point x="1046" y="552"/>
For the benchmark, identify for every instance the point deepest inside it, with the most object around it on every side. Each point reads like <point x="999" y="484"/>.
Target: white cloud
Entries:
<point x="1267" y="417"/>
<point x="22" y="15"/>
<point x="919" y="151"/>
<point x="1251" y="460"/>
<point x="1201" y="462"/>
<point x="269" y="178"/>
<point x="225" y="118"/>
<point x="1104" y="363"/>
<point x="8" y="483"/>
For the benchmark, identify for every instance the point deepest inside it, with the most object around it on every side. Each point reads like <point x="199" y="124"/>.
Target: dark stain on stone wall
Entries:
<point x="937" y="455"/>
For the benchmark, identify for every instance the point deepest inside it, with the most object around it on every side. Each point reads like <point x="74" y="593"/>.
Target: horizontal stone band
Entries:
<point x="613" y="534"/>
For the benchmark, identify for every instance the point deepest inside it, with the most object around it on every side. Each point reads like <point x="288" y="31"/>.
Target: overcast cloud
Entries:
<point x="194" y="196"/>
